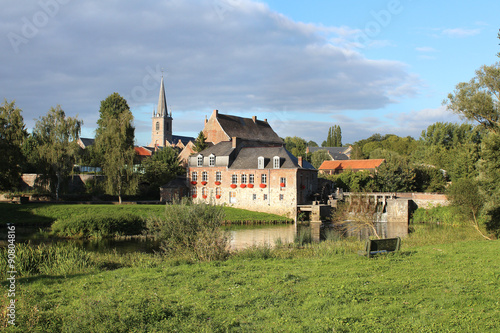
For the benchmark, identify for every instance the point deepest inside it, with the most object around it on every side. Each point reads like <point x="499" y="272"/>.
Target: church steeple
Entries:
<point x="162" y="101"/>
<point x="161" y="133"/>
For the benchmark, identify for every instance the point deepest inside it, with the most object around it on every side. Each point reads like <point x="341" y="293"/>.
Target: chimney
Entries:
<point x="206" y="120"/>
<point x="215" y="113"/>
<point x="265" y="120"/>
<point x="254" y="118"/>
<point x="300" y="161"/>
<point x="234" y="142"/>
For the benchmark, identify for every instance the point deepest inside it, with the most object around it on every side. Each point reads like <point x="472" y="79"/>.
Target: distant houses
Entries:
<point x="336" y="167"/>
<point x="335" y="153"/>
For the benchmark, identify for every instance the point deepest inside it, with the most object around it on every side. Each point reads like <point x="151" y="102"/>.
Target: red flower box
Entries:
<point x="262" y="185"/>
<point x="204" y="197"/>
<point x="233" y="185"/>
<point x="243" y="185"/>
<point x="218" y="196"/>
<point x="194" y="195"/>
<point x="193" y="183"/>
<point x="217" y="183"/>
<point x="303" y="187"/>
<point x="203" y="183"/>
<point x="282" y="184"/>
<point x="250" y="185"/>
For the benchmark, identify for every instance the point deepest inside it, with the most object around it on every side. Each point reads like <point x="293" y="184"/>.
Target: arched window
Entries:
<point x="211" y="161"/>
<point x="157" y="125"/>
<point x="200" y="160"/>
<point x="260" y="162"/>
<point x="276" y="162"/>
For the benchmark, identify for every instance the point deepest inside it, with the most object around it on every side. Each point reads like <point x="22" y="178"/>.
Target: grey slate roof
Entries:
<point x="247" y="129"/>
<point x="247" y="158"/>
<point x="87" y="142"/>
<point x="184" y="139"/>
<point x="337" y="153"/>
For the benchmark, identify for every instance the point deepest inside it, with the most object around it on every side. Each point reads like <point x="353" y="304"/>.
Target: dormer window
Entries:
<point x="211" y="160"/>
<point x="276" y="162"/>
<point x="200" y="160"/>
<point x="260" y="162"/>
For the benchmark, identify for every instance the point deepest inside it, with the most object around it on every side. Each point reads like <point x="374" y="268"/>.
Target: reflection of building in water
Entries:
<point x="244" y="238"/>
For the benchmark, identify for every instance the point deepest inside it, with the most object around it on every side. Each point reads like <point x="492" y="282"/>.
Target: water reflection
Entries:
<point x="244" y="237"/>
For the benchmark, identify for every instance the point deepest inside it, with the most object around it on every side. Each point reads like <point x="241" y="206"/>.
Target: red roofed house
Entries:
<point x="336" y="167"/>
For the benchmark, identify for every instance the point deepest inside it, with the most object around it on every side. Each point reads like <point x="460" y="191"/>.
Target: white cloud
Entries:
<point x="460" y="32"/>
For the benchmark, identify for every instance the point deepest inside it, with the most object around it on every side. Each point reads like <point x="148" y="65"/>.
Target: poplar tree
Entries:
<point x="57" y="136"/>
<point x="115" y="143"/>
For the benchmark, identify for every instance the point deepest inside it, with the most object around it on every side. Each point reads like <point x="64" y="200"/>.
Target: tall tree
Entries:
<point x="334" y="138"/>
<point x="479" y="100"/>
<point x="12" y="136"/>
<point x="296" y="145"/>
<point x="115" y="141"/>
<point x="57" y="137"/>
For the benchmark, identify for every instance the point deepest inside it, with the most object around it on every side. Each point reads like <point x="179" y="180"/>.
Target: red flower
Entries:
<point x="217" y="183"/>
<point x="193" y="182"/>
<point x="203" y="183"/>
<point x="194" y="195"/>
<point x="243" y="185"/>
<point x="204" y="196"/>
<point x="250" y="185"/>
<point x="282" y="184"/>
<point x="233" y="185"/>
<point x="263" y="185"/>
<point x="218" y="196"/>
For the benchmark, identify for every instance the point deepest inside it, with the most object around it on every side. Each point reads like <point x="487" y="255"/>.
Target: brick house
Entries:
<point x="249" y="167"/>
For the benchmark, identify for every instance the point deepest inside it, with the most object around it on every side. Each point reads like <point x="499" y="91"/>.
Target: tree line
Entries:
<point x="52" y="151"/>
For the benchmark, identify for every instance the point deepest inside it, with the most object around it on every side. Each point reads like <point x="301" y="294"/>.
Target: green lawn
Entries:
<point x="452" y="287"/>
<point x="46" y="214"/>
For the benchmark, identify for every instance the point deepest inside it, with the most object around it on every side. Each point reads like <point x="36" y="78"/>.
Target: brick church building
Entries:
<point x="247" y="166"/>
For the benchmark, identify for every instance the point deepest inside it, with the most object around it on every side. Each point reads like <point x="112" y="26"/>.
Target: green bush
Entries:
<point x="436" y="215"/>
<point x="99" y="225"/>
<point x="191" y="230"/>
<point x="47" y="260"/>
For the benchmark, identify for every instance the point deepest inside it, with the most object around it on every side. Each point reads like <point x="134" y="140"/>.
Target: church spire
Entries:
<point x="162" y="101"/>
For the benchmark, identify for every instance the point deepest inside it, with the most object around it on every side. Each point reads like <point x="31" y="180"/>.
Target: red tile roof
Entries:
<point x="141" y="151"/>
<point x="351" y="164"/>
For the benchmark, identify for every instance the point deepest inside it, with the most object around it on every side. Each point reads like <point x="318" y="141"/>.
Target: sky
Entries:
<point x="370" y="67"/>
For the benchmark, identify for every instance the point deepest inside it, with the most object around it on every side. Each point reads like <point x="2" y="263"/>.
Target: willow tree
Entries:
<point x="115" y="143"/>
<point x="57" y="136"/>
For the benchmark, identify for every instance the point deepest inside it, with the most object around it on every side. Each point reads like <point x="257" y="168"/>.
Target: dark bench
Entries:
<point x="378" y="246"/>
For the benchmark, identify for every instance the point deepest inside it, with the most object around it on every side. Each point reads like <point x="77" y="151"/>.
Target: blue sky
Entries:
<point x="370" y="67"/>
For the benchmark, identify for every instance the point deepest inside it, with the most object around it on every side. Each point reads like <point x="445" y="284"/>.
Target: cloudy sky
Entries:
<point x="370" y="67"/>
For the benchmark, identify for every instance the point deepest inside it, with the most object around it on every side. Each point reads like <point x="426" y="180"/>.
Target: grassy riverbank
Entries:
<point x="37" y="214"/>
<point x="445" y="279"/>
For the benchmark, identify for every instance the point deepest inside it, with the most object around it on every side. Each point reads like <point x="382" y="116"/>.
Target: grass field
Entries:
<point x="443" y="280"/>
<point x="46" y="214"/>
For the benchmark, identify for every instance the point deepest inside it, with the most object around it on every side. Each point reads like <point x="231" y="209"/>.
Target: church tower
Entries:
<point x="161" y="133"/>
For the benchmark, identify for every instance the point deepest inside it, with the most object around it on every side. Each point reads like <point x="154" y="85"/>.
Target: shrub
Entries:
<point x="99" y="225"/>
<point x="436" y="215"/>
<point x="191" y="230"/>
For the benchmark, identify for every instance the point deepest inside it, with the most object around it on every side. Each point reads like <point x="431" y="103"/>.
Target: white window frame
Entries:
<point x="244" y="178"/>
<point x="260" y="162"/>
<point x="234" y="179"/>
<point x="263" y="178"/>
<point x="194" y="176"/>
<point x="218" y="176"/>
<point x="251" y="179"/>
<point x="276" y="162"/>
<point x="199" y="160"/>
<point x="204" y="176"/>
<point x="211" y="160"/>
<point x="283" y="180"/>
